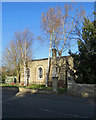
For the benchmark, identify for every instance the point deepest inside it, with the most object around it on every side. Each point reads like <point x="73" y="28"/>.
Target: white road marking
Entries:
<point x="63" y="113"/>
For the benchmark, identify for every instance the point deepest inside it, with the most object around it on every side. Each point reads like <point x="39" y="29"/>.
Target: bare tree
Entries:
<point x="59" y="25"/>
<point x="50" y="26"/>
<point x="68" y="29"/>
<point x="19" y="51"/>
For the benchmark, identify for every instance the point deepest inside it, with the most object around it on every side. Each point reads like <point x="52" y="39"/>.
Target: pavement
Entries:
<point x="45" y="106"/>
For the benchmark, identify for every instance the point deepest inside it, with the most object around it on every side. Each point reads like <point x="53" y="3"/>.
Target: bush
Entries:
<point x="62" y="90"/>
<point x="38" y="86"/>
<point x="3" y="78"/>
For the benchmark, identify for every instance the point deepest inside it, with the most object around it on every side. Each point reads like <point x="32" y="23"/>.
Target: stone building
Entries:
<point x="36" y="70"/>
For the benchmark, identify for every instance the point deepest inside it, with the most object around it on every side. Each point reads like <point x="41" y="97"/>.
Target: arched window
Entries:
<point x="40" y="73"/>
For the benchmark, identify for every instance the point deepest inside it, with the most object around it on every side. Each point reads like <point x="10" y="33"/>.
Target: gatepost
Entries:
<point x="54" y="80"/>
<point x="54" y="72"/>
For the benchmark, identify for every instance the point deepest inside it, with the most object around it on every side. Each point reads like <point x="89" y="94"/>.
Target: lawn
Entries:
<point x="34" y="86"/>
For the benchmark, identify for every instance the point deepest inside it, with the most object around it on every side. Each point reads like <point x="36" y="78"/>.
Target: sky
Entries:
<point x="17" y="16"/>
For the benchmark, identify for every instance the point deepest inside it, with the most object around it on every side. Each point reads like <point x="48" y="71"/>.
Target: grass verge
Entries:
<point x="34" y="86"/>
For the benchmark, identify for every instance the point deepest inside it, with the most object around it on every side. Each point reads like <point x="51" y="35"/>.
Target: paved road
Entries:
<point x="45" y="106"/>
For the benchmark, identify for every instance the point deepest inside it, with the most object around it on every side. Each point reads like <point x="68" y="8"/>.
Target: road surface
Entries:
<point x="45" y="106"/>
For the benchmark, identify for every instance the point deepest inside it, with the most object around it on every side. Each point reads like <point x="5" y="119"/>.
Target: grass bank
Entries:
<point x="34" y="86"/>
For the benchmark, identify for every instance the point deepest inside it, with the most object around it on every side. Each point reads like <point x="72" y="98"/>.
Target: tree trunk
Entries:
<point x="17" y="82"/>
<point x="48" y="60"/>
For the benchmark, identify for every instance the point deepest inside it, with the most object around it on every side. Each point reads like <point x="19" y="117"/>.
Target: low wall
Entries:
<point x="60" y="84"/>
<point x="85" y="90"/>
<point x="25" y="90"/>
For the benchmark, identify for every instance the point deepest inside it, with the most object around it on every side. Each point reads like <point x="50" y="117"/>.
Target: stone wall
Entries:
<point x="85" y="90"/>
<point x="60" y="84"/>
<point x="62" y="72"/>
<point x="33" y="66"/>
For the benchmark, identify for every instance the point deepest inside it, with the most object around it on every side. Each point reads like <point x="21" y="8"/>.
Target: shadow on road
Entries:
<point x="44" y="106"/>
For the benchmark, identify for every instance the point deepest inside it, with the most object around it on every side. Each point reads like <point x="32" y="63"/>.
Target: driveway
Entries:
<point x="45" y="106"/>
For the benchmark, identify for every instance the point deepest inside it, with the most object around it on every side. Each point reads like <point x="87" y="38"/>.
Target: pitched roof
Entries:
<point x="47" y="58"/>
<point x="39" y="59"/>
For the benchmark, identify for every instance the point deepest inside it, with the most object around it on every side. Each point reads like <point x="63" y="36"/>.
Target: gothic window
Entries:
<point x="40" y="72"/>
<point x="28" y="73"/>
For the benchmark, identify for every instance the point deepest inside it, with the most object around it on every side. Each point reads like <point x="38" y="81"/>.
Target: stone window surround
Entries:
<point x="38" y="72"/>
